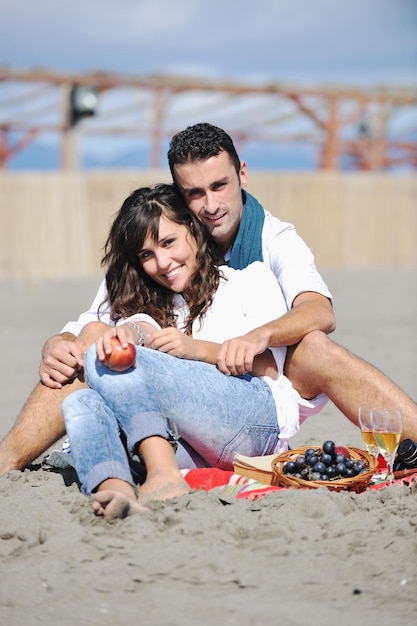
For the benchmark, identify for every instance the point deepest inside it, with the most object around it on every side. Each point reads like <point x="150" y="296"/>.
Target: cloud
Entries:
<point x="293" y="39"/>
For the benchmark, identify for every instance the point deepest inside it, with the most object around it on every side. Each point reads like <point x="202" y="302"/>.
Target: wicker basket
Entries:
<point x="357" y="483"/>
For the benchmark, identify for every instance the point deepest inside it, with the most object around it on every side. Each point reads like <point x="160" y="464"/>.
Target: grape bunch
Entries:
<point x="324" y="463"/>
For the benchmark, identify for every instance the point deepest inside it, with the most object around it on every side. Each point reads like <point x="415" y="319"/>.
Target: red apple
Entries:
<point x="120" y="359"/>
<point x="343" y="450"/>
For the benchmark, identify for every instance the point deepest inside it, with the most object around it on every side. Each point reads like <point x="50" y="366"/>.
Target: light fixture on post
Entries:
<point x="80" y="102"/>
<point x="83" y="103"/>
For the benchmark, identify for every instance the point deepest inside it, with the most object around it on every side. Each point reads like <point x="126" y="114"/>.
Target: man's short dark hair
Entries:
<point x="199" y="143"/>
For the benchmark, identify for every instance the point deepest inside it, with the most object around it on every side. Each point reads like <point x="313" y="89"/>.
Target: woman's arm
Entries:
<point x="174" y="342"/>
<point x="135" y="333"/>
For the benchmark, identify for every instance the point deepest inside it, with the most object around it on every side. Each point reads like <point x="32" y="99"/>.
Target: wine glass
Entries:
<point x="365" y="424"/>
<point x="387" y="428"/>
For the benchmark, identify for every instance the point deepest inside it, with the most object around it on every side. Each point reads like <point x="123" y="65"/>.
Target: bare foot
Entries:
<point x="162" y="486"/>
<point x="112" y="504"/>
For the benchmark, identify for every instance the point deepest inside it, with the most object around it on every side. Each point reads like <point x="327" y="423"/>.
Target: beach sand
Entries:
<point x="289" y="558"/>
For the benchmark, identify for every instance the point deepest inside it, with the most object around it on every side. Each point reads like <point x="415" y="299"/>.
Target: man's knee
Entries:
<point x="307" y="361"/>
<point x="309" y="350"/>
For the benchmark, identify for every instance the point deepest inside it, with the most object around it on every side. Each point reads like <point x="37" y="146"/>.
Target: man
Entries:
<point x="205" y="166"/>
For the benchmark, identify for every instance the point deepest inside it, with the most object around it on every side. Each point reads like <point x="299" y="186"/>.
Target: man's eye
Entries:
<point x="194" y="195"/>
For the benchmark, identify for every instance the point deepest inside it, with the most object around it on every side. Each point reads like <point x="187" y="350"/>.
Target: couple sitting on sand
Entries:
<point x="213" y="289"/>
<point x="175" y="408"/>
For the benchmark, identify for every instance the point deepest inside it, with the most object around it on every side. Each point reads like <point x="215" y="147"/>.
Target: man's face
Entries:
<point x="213" y="191"/>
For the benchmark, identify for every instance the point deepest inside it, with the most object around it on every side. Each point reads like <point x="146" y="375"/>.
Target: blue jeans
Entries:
<point x="215" y="415"/>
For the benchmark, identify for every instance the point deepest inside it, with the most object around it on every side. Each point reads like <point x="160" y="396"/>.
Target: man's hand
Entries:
<point x="236" y="356"/>
<point x="310" y="311"/>
<point x="62" y="361"/>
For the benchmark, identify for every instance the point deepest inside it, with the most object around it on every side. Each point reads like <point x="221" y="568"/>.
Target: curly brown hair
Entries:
<point x="130" y="290"/>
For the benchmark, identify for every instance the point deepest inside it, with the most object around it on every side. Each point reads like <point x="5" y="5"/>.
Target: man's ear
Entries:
<point x="243" y="174"/>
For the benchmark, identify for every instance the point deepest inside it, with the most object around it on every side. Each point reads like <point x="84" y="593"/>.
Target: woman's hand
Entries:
<point x="172" y="341"/>
<point x="125" y="333"/>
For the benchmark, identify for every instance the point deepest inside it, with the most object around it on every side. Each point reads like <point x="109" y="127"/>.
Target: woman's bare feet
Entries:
<point x="112" y="504"/>
<point x="163" y="486"/>
<point x="115" y="499"/>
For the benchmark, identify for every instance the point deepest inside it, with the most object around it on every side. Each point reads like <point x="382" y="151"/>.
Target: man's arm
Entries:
<point x="62" y="354"/>
<point x="310" y="311"/>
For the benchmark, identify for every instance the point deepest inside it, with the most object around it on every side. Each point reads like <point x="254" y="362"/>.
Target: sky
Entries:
<point x="306" y="42"/>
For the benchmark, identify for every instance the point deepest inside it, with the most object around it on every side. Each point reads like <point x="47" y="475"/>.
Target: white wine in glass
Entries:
<point x="365" y="424"/>
<point x="387" y="428"/>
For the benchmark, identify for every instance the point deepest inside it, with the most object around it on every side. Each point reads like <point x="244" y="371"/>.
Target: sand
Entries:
<point x="291" y="558"/>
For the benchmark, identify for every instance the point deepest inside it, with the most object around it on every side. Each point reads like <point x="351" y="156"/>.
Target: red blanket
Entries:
<point x="236" y="486"/>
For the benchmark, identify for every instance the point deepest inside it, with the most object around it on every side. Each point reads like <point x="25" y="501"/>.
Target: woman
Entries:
<point x="168" y="295"/>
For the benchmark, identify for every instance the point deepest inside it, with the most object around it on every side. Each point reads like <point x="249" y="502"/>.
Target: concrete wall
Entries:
<point x="53" y="225"/>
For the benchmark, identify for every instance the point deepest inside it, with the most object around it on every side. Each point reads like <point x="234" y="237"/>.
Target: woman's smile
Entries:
<point x="171" y="259"/>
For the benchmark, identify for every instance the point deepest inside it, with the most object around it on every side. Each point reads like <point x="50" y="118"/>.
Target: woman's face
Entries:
<point x="171" y="260"/>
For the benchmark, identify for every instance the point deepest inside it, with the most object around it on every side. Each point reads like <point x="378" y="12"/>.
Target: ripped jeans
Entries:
<point x="215" y="415"/>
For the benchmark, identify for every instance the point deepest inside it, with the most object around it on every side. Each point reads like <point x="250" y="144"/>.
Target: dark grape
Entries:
<point x="341" y="469"/>
<point x="359" y="466"/>
<point x="331" y="471"/>
<point x="319" y="467"/>
<point x="300" y="463"/>
<point x="329" y="447"/>
<point x="289" y="467"/>
<point x="311" y="460"/>
<point x="327" y="459"/>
